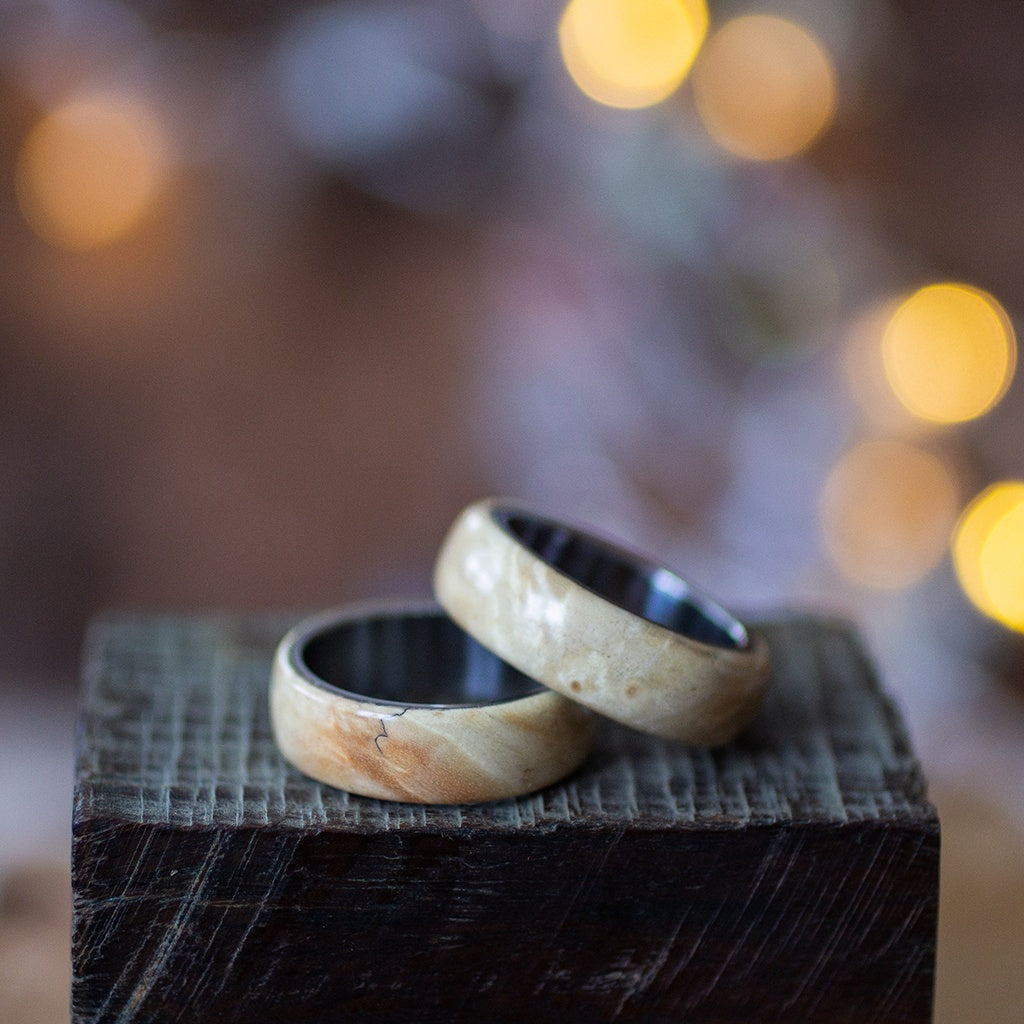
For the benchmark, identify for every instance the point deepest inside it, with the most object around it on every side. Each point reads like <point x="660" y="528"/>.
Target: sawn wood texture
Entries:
<point x="790" y="876"/>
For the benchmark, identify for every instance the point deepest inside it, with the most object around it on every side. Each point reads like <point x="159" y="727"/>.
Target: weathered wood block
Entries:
<point x="792" y="876"/>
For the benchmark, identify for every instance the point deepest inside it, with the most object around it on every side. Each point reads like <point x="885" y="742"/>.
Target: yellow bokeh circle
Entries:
<point x="949" y="352"/>
<point x="765" y="87"/>
<point x="988" y="552"/>
<point x="89" y="170"/>
<point x="631" y="53"/>
<point x="886" y="512"/>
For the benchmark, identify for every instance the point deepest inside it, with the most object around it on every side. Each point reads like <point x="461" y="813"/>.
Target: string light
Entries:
<point x="89" y="171"/>
<point x="988" y="552"/>
<point x="886" y="512"/>
<point x="949" y="352"/>
<point x="864" y="370"/>
<point x="764" y="87"/>
<point x="631" y="53"/>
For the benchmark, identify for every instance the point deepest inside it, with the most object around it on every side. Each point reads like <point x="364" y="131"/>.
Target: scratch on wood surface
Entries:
<point x="845" y="920"/>
<point x="284" y="851"/>
<point x="174" y="932"/>
<point x="97" y="942"/>
<point x="738" y="946"/>
<point x="647" y="975"/>
<point x="593" y="870"/>
<point x="684" y="961"/>
<point x="795" y="841"/>
<point x="920" y="964"/>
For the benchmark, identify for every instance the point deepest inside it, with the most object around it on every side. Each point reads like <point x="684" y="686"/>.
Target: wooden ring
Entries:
<point x="599" y="624"/>
<point x="399" y="703"/>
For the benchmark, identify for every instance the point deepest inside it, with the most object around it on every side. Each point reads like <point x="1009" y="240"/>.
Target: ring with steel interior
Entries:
<point x="399" y="703"/>
<point x="599" y="624"/>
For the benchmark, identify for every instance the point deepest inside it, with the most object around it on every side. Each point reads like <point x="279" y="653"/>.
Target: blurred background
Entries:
<point x="284" y="285"/>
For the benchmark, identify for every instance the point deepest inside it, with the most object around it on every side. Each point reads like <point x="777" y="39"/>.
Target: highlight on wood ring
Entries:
<point x="397" y="702"/>
<point x="602" y="625"/>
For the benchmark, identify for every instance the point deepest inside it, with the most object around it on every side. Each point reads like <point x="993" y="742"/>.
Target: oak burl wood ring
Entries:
<point x="599" y="624"/>
<point x="401" y="704"/>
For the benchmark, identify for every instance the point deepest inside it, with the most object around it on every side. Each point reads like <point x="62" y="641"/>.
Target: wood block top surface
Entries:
<point x="175" y="731"/>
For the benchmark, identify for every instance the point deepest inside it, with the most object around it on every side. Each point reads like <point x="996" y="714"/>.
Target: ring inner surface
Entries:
<point x="410" y="659"/>
<point x="639" y="587"/>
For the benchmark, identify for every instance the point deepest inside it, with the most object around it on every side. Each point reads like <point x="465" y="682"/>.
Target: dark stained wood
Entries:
<point x="792" y="876"/>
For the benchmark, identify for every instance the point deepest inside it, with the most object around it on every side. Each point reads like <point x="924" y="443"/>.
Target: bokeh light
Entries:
<point x="988" y="552"/>
<point x="887" y="509"/>
<point x="631" y="53"/>
<point x="90" y="170"/>
<point x="864" y="371"/>
<point x="949" y="352"/>
<point x="764" y="87"/>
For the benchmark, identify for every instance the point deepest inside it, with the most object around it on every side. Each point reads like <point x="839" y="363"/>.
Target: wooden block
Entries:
<point x="792" y="876"/>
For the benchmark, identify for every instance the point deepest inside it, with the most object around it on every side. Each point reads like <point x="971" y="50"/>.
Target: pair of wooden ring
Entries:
<point x="545" y="623"/>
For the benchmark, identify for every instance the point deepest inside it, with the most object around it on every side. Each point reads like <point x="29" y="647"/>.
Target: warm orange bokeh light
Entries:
<point x="631" y="53"/>
<point x="864" y="370"/>
<point x="765" y="88"/>
<point x="886" y="512"/>
<point x="988" y="553"/>
<point x="949" y="352"/>
<point x="89" y="171"/>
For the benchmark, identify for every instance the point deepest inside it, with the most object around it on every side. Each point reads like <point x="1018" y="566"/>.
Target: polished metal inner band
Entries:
<point x="624" y="578"/>
<point x="410" y="660"/>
